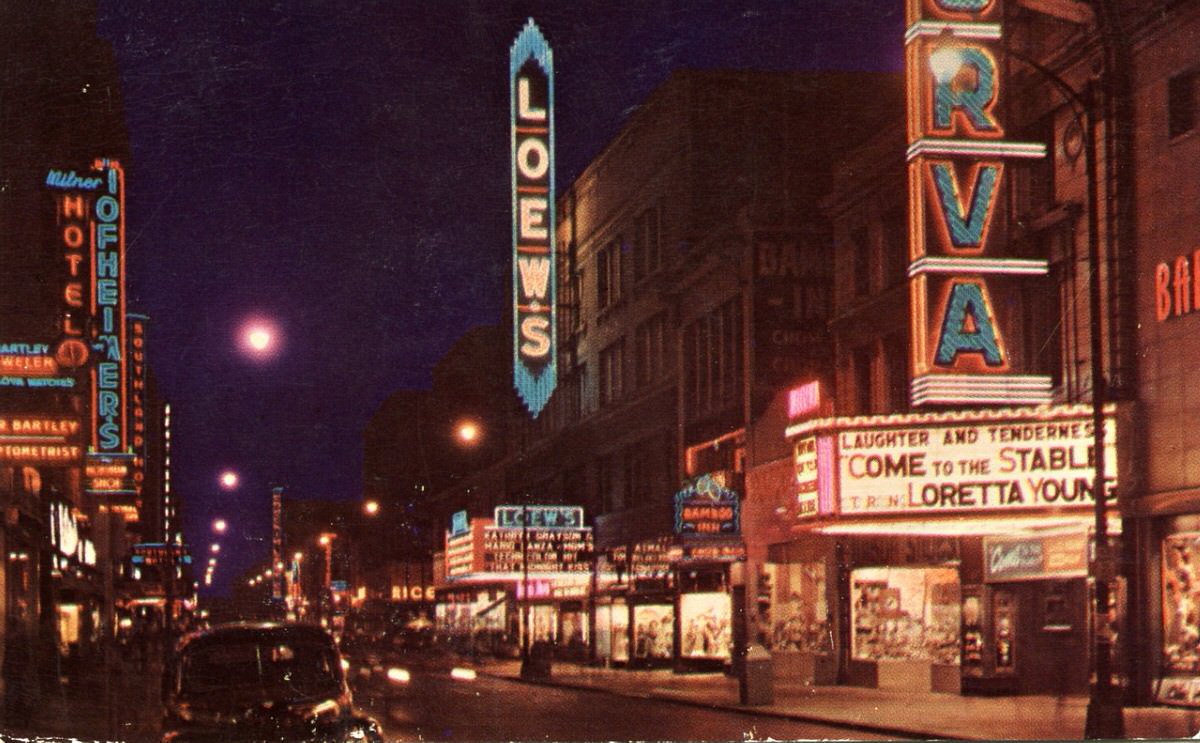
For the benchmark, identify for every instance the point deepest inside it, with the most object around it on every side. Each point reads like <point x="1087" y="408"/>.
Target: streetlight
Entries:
<point x="219" y="526"/>
<point x="467" y="431"/>
<point x="371" y="507"/>
<point x="214" y="548"/>
<point x="1105" y="718"/>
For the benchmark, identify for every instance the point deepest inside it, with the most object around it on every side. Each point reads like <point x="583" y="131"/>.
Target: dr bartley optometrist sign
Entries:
<point x="971" y="461"/>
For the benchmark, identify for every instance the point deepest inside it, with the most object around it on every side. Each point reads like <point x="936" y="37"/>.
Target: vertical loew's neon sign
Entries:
<point x="531" y="94"/>
<point x="956" y="166"/>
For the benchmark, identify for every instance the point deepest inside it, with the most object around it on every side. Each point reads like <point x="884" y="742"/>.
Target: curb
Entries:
<point x="895" y="732"/>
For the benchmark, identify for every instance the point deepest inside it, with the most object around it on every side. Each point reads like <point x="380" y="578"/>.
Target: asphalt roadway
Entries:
<point x="433" y="705"/>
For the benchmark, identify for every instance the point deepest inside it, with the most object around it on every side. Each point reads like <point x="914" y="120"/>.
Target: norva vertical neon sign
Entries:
<point x="957" y="158"/>
<point x="531" y="95"/>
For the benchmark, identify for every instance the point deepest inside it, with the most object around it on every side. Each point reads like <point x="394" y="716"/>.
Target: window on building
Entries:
<point x="1044" y="325"/>
<point x="612" y="365"/>
<point x="810" y="301"/>
<point x="603" y="275"/>
<point x="647" y="248"/>
<point x="611" y="496"/>
<point x="713" y="358"/>
<point x="651" y="361"/>
<point x="895" y="247"/>
<point x="895" y="349"/>
<point x="609" y="260"/>
<point x="862" y="380"/>
<point x="861" y="245"/>
<point x="1181" y="103"/>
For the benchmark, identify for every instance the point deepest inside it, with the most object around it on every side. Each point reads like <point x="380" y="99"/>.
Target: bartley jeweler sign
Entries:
<point x="1035" y="458"/>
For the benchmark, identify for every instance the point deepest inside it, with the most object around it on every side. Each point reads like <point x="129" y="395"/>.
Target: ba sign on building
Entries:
<point x="531" y="93"/>
<point x="957" y="159"/>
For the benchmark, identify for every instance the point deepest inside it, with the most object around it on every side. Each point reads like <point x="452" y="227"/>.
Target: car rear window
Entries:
<point x="298" y="667"/>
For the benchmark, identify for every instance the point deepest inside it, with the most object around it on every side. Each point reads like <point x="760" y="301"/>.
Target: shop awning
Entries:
<point x="964" y="526"/>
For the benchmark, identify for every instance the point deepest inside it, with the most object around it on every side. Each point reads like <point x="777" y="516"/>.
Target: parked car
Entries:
<point x="262" y="682"/>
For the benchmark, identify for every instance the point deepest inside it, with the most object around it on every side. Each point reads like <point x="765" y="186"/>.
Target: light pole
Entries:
<point x="1105" y="717"/>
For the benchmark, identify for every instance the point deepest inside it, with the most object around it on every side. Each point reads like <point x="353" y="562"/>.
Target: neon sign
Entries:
<point x="110" y="432"/>
<point x="531" y="94"/>
<point x="957" y="462"/>
<point x="1177" y="286"/>
<point x="539" y="517"/>
<point x="706" y="507"/>
<point x="34" y="439"/>
<point x="137" y="398"/>
<point x="956" y="164"/>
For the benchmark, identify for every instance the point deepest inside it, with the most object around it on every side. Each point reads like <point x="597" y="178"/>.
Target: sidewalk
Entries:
<point x="887" y="712"/>
<point x="80" y="710"/>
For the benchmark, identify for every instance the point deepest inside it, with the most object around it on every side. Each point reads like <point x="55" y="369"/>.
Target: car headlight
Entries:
<point x="399" y="675"/>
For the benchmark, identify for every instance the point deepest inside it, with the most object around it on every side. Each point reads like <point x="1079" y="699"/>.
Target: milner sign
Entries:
<point x="957" y="157"/>
<point x="531" y="94"/>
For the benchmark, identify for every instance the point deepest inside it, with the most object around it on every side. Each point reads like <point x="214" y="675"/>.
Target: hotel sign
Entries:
<point x="957" y="160"/>
<point x="962" y="466"/>
<point x="531" y="95"/>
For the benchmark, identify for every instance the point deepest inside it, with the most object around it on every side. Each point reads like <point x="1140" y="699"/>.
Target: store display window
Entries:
<point x="905" y="614"/>
<point x="1181" y="603"/>
<point x="653" y="631"/>
<point x="705" y="625"/>
<point x="574" y="629"/>
<point x="604" y="614"/>
<point x="544" y="623"/>
<point x="620" y="633"/>
<point x="799" y="611"/>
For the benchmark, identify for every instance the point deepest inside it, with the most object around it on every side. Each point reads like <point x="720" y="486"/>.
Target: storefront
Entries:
<point x="1179" y="679"/>
<point x="942" y="551"/>
<point x="708" y="540"/>
<point x="635" y="604"/>
<point x="521" y="577"/>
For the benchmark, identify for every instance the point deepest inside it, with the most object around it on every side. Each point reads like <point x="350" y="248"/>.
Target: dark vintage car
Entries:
<point x="260" y="682"/>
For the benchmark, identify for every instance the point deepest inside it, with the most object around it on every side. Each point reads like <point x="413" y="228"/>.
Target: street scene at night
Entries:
<point x="532" y="370"/>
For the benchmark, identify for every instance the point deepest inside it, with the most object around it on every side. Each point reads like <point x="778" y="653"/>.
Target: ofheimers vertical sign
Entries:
<point x="531" y="92"/>
<point x="956" y="164"/>
<point x="110" y="411"/>
<point x="110" y="456"/>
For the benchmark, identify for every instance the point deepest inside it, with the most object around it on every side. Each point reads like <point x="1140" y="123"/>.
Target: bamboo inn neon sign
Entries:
<point x="531" y="96"/>
<point x="956" y="164"/>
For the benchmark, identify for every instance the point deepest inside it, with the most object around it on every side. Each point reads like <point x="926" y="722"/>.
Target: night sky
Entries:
<point x="342" y="168"/>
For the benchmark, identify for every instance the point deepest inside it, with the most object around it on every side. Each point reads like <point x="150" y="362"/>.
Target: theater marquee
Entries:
<point x="972" y="464"/>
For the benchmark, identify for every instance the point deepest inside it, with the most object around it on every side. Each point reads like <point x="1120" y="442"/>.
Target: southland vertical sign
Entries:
<point x="531" y="93"/>
<point x="957" y="155"/>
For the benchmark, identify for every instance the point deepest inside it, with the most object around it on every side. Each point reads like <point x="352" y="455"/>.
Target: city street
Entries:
<point x="437" y="707"/>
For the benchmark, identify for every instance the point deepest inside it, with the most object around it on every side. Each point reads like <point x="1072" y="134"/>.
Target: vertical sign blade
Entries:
<point x="962" y="269"/>
<point x="531" y="96"/>
<point x="277" y="543"/>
